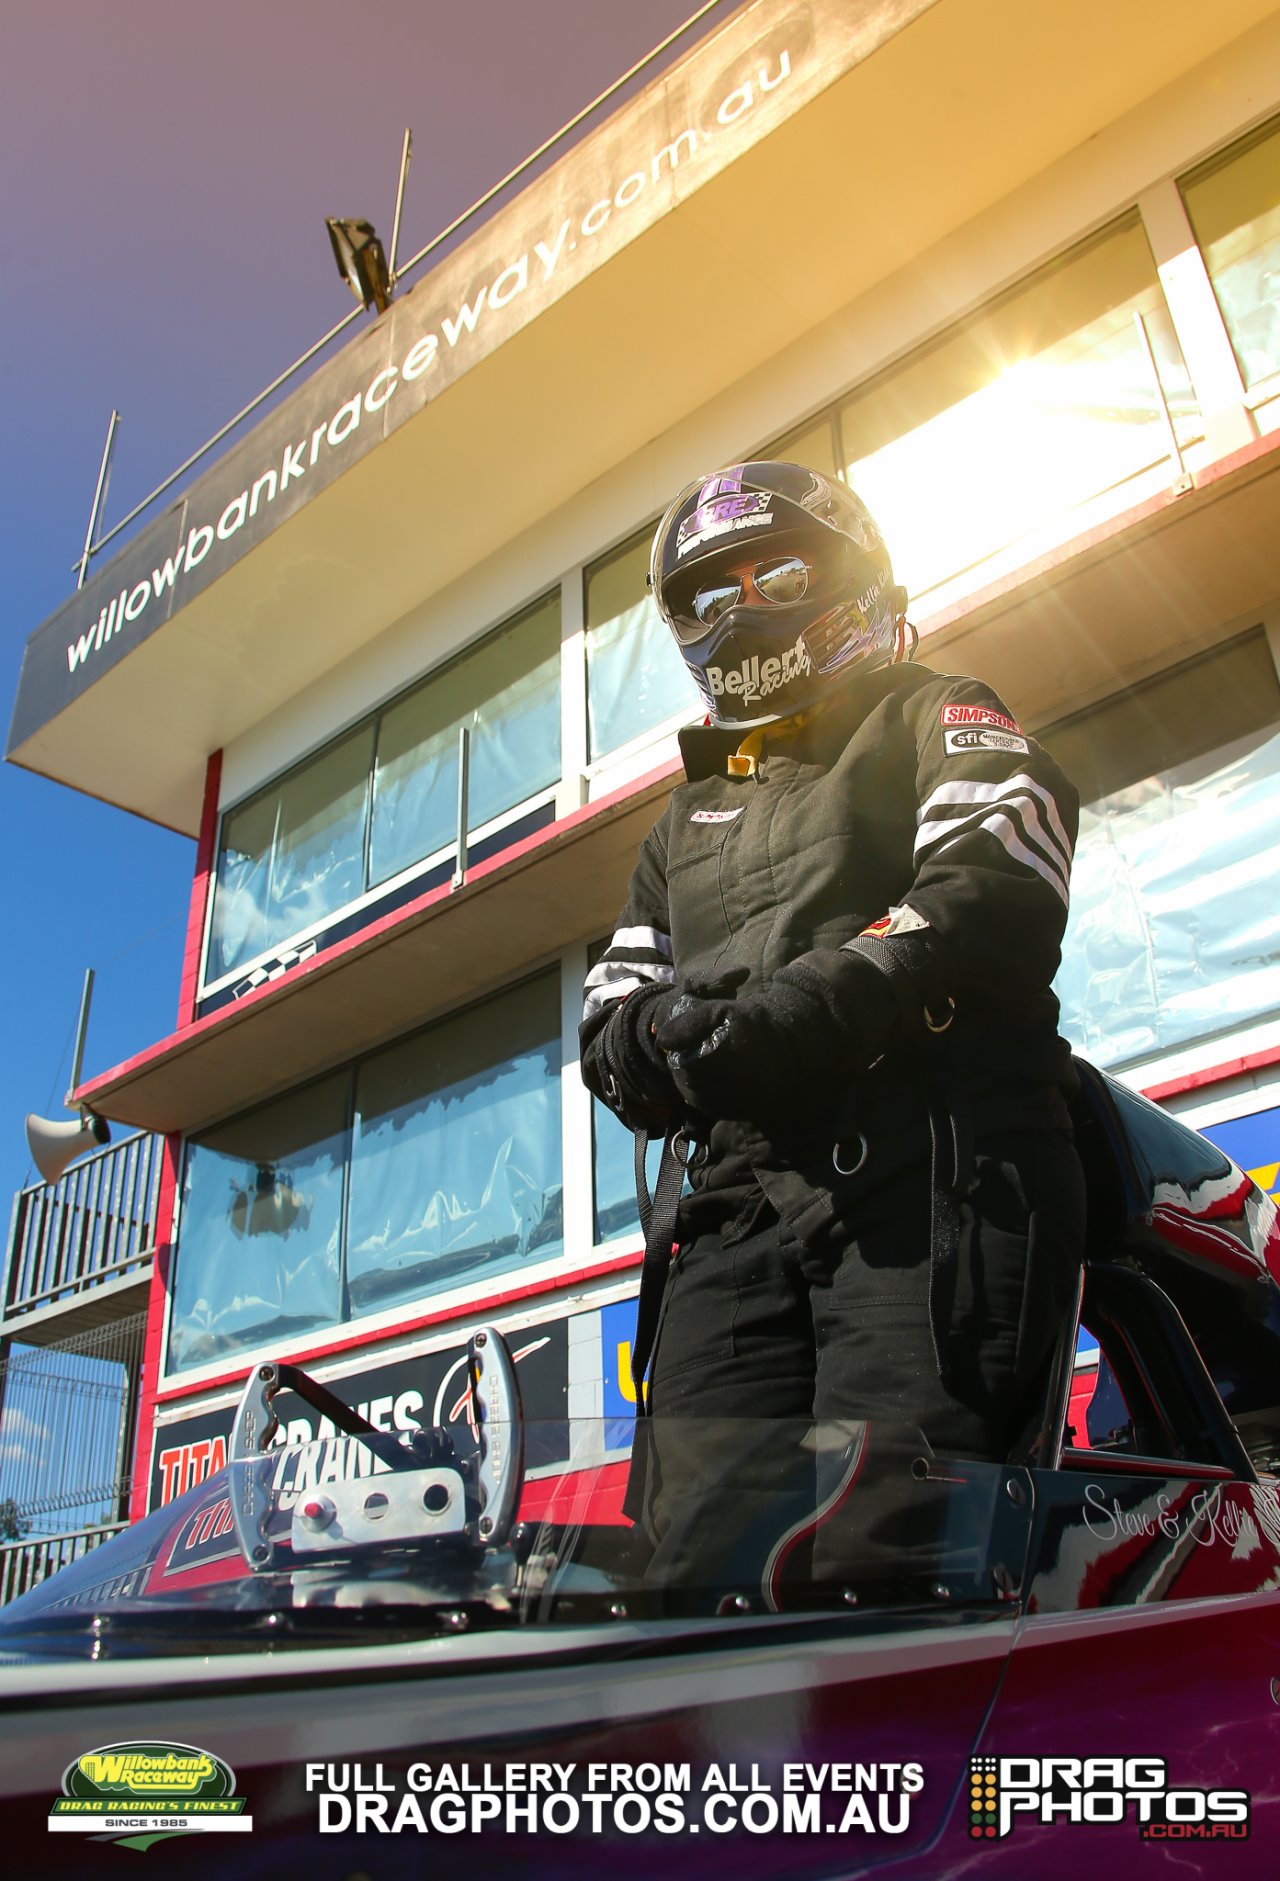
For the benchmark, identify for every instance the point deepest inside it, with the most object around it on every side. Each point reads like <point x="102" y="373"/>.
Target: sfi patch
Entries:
<point x="716" y="816"/>
<point x="982" y="738"/>
<point x="979" y="715"/>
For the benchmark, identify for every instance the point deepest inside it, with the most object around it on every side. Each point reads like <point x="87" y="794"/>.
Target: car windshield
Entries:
<point x="538" y="1524"/>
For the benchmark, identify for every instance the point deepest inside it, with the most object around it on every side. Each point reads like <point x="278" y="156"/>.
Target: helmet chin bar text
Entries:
<point x="757" y="678"/>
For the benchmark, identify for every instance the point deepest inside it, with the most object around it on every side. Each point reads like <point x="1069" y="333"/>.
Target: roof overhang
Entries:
<point x="356" y="498"/>
<point x="1158" y="582"/>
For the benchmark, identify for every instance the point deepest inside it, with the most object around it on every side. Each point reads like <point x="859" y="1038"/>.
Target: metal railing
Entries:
<point x="24" y="1564"/>
<point x="95" y="1224"/>
<point x="68" y="1417"/>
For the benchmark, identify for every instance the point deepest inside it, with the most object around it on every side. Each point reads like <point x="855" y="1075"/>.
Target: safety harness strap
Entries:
<point x="658" y="1220"/>
<point x="911" y="964"/>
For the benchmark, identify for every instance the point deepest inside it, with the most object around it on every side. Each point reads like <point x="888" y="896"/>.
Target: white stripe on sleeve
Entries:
<point x="1021" y="794"/>
<point x="653" y="937"/>
<point x="1006" y="833"/>
<point x="635" y="957"/>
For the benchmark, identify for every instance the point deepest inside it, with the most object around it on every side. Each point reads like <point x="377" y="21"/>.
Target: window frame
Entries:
<point x="1057" y="522"/>
<point x="451" y="1300"/>
<point x="1267" y="387"/>
<point x="392" y="889"/>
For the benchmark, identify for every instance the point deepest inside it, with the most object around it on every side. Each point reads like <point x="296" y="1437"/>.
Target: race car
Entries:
<point x="862" y="1656"/>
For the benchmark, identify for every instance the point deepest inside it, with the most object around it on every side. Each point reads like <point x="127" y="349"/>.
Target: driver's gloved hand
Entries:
<point x="791" y="1046"/>
<point x="760" y="1057"/>
<point x="639" y="1084"/>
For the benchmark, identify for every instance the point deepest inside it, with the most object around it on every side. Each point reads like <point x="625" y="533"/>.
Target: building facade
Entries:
<point x="1012" y="272"/>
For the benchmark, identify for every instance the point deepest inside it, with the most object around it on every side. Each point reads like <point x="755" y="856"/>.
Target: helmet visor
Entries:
<point x="779" y="582"/>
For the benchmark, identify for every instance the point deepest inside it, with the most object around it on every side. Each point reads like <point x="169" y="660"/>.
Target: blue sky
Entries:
<point x="169" y="171"/>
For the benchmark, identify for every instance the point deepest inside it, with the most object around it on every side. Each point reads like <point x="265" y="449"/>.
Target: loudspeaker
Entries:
<point x="54" y="1145"/>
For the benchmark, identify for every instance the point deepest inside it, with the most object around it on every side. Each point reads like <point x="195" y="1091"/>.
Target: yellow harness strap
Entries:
<point x="744" y="760"/>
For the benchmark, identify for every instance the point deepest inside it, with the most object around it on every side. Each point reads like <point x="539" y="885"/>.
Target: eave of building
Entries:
<point x="1158" y="583"/>
<point x="740" y="266"/>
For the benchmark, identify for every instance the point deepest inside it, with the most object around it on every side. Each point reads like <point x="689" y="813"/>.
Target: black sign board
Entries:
<point x="400" y="1394"/>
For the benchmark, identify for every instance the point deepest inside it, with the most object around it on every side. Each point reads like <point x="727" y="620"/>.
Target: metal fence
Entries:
<point x="24" y="1564"/>
<point x="67" y="1418"/>
<point x="97" y="1223"/>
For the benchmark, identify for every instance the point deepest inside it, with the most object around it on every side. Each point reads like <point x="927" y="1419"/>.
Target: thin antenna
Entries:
<point x="82" y="1027"/>
<point x="405" y="155"/>
<point x="99" y="497"/>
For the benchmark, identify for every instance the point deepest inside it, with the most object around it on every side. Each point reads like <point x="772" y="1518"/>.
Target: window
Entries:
<point x="455" y="1163"/>
<point x="613" y="1168"/>
<point x="431" y="1164"/>
<point x="1000" y="431"/>
<point x="636" y="680"/>
<point x="291" y="855"/>
<point x="1175" y="929"/>
<point x="384" y="798"/>
<point x="260" y="1229"/>
<point x="813" y="445"/>
<point x="508" y="692"/>
<point x="1233" y="204"/>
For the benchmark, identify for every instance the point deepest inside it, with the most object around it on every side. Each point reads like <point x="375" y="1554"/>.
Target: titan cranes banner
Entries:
<point x="400" y="1392"/>
<point x="687" y="127"/>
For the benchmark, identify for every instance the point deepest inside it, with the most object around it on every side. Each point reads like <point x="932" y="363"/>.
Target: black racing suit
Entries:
<point x="903" y="1238"/>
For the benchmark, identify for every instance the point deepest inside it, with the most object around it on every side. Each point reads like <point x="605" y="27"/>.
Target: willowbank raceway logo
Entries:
<point x="1099" y="1790"/>
<point x="139" y="1793"/>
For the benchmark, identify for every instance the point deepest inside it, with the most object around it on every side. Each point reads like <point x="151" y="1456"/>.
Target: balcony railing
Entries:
<point x="24" y="1564"/>
<point x="98" y="1223"/>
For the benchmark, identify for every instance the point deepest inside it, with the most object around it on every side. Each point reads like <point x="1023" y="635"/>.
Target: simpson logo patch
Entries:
<point x="716" y="816"/>
<point x="978" y="715"/>
<point x="980" y="738"/>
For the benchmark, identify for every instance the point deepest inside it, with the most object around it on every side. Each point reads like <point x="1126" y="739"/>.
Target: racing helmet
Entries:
<point x="774" y="581"/>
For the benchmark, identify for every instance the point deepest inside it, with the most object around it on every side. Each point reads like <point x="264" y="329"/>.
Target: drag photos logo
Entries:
<point x="139" y="1792"/>
<point x="1094" y="1790"/>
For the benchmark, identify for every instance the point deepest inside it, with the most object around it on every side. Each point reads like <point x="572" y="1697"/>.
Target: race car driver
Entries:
<point x="832" y="977"/>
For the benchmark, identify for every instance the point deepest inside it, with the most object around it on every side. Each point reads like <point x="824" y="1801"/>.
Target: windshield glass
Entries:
<point x="517" y="1525"/>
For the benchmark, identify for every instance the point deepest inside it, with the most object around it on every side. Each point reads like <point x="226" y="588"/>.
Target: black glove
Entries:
<point x="637" y="1081"/>
<point x="788" y="1051"/>
<point x="763" y="1056"/>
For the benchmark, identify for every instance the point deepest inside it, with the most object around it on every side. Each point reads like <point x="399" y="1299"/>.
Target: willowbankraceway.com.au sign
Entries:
<point x="531" y="271"/>
<point x="742" y="84"/>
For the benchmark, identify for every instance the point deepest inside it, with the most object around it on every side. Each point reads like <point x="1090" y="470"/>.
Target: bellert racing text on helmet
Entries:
<point x="774" y="579"/>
